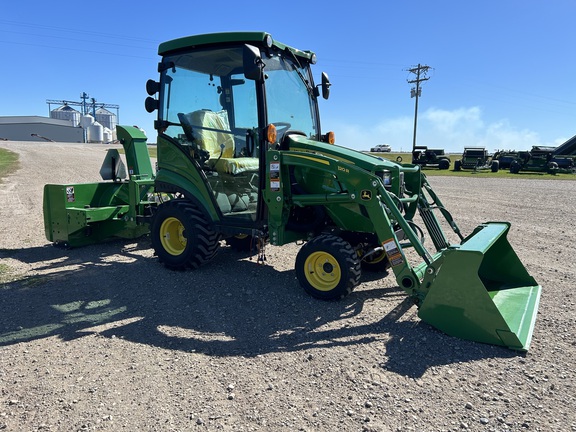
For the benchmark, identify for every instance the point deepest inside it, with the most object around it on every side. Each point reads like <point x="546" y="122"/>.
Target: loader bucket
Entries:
<point x="480" y="291"/>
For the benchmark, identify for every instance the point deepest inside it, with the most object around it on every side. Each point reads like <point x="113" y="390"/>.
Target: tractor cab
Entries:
<point x="226" y="104"/>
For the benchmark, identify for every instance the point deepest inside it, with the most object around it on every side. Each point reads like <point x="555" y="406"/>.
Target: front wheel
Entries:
<point x="328" y="268"/>
<point x="181" y="235"/>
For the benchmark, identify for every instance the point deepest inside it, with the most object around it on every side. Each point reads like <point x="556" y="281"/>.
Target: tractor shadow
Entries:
<point x="230" y="307"/>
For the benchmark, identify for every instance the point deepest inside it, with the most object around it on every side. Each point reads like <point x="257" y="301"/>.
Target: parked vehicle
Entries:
<point x="434" y="158"/>
<point x="542" y="159"/>
<point x="382" y="148"/>
<point x="476" y="158"/>
<point x="505" y="158"/>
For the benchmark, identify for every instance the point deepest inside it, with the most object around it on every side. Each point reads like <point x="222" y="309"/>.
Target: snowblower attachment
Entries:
<point x="87" y="213"/>
<point x="480" y="291"/>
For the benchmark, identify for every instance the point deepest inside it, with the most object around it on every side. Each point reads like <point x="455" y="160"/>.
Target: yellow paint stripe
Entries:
<point x="339" y="157"/>
<point x="322" y="161"/>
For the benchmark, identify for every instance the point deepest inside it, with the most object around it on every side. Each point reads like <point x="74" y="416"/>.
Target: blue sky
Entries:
<point x="501" y="70"/>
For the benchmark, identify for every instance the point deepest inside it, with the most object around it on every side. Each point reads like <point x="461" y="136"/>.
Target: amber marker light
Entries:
<point x="271" y="133"/>
<point x="330" y="138"/>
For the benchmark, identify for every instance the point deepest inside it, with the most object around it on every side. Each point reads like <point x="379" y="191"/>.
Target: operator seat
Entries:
<point x="210" y="131"/>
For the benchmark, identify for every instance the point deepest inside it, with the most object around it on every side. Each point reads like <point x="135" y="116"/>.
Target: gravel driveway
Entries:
<point x="103" y="338"/>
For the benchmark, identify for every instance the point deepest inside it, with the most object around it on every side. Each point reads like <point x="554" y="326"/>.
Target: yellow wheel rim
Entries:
<point x="322" y="271"/>
<point x="376" y="258"/>
<point x="172" y="236"/>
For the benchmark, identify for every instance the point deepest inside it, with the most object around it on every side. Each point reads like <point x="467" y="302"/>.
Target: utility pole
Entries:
<point x="420" y="71"/>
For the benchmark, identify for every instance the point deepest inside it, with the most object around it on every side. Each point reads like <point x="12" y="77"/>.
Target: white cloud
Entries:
<point x="451" y="130"/>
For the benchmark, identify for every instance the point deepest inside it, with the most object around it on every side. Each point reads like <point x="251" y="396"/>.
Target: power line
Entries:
<point x="421" y="72"/>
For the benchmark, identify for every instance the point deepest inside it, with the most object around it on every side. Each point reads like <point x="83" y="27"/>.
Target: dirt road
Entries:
<point x="103" y="338"/>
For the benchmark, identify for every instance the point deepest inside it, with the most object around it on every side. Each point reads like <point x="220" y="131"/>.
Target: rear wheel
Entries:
<point x="328" y="268"/>
<point x="181" y="235"/>
<point x="495" y="166"/>
<point x="444" y="164"/>
<point x="457" y="165"/>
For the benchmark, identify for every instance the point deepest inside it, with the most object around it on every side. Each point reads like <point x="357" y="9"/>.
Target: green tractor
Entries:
<point x="430" y="158"/>
<point x="542" y="159"/>
<point x="241" y="158"/>
<point x="477" y="159"/>
<point x="504" y="158"/>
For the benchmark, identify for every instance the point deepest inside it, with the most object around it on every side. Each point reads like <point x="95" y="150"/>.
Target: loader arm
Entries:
<point x="355" y="200"/>
<point x="477" y="290"/>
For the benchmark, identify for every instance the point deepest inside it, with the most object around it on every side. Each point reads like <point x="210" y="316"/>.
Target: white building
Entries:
<point x="37" y="128"/>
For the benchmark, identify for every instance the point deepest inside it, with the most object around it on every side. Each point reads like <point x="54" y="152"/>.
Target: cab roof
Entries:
<point x="260" y="39"/>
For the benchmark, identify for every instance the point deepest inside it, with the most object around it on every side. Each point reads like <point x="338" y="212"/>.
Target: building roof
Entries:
<point x="32" y="119"/>
<point x="66" y="108"/>
<point x="104" y="111"/>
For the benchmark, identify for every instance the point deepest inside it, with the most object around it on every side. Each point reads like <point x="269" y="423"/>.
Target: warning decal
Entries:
<point x="275" y="176"/>
<point x="393" y="253"/>
<point x="70" y="194"/>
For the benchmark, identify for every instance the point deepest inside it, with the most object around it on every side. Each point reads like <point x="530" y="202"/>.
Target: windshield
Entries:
<point x="288" y="96"/>
<point x="213" y="80"/>
<point x="209" y="81"/>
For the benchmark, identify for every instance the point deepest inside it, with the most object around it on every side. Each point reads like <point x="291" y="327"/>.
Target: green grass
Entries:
<point x="8" y="162"/>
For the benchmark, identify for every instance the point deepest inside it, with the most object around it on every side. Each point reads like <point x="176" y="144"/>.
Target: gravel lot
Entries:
<point x="103" y="338"/>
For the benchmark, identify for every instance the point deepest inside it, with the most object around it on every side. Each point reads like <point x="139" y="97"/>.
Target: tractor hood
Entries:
<point x="362" y="160"/>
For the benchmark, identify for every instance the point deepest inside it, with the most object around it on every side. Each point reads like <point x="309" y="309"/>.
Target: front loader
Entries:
<point x="241" y="158"/>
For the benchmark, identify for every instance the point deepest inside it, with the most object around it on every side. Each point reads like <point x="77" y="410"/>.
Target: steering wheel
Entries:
<point x="281" y="128"/>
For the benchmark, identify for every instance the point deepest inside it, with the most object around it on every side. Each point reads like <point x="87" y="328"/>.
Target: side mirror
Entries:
<point x="325" y="85"/>
<point x="252" y="63"/>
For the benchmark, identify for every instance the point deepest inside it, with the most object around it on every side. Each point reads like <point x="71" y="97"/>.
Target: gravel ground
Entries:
<point x="103" y="338"/>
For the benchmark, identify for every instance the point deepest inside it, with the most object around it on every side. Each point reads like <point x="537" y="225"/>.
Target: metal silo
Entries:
<point x="66" y="112"/>
<point x="106" y="118"/>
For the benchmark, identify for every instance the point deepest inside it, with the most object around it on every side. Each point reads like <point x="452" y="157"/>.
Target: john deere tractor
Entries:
<point x="242" y="159"/>
<point x="476" y="158"/>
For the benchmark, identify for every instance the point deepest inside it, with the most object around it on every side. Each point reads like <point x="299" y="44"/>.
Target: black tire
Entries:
<point x="399" y="159"/>
<point x="552" y="168"/>
<point x="181" y="235"/>
<point x="457" y="165"/>
<point x="328" y="268"/>
<point x="444" y="164"/>
<point x="495" y="166"/>
<point x="515" y="167"/>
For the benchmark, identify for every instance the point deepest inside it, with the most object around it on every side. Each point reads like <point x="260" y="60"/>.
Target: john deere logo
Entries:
<point x="366" y="195"/>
